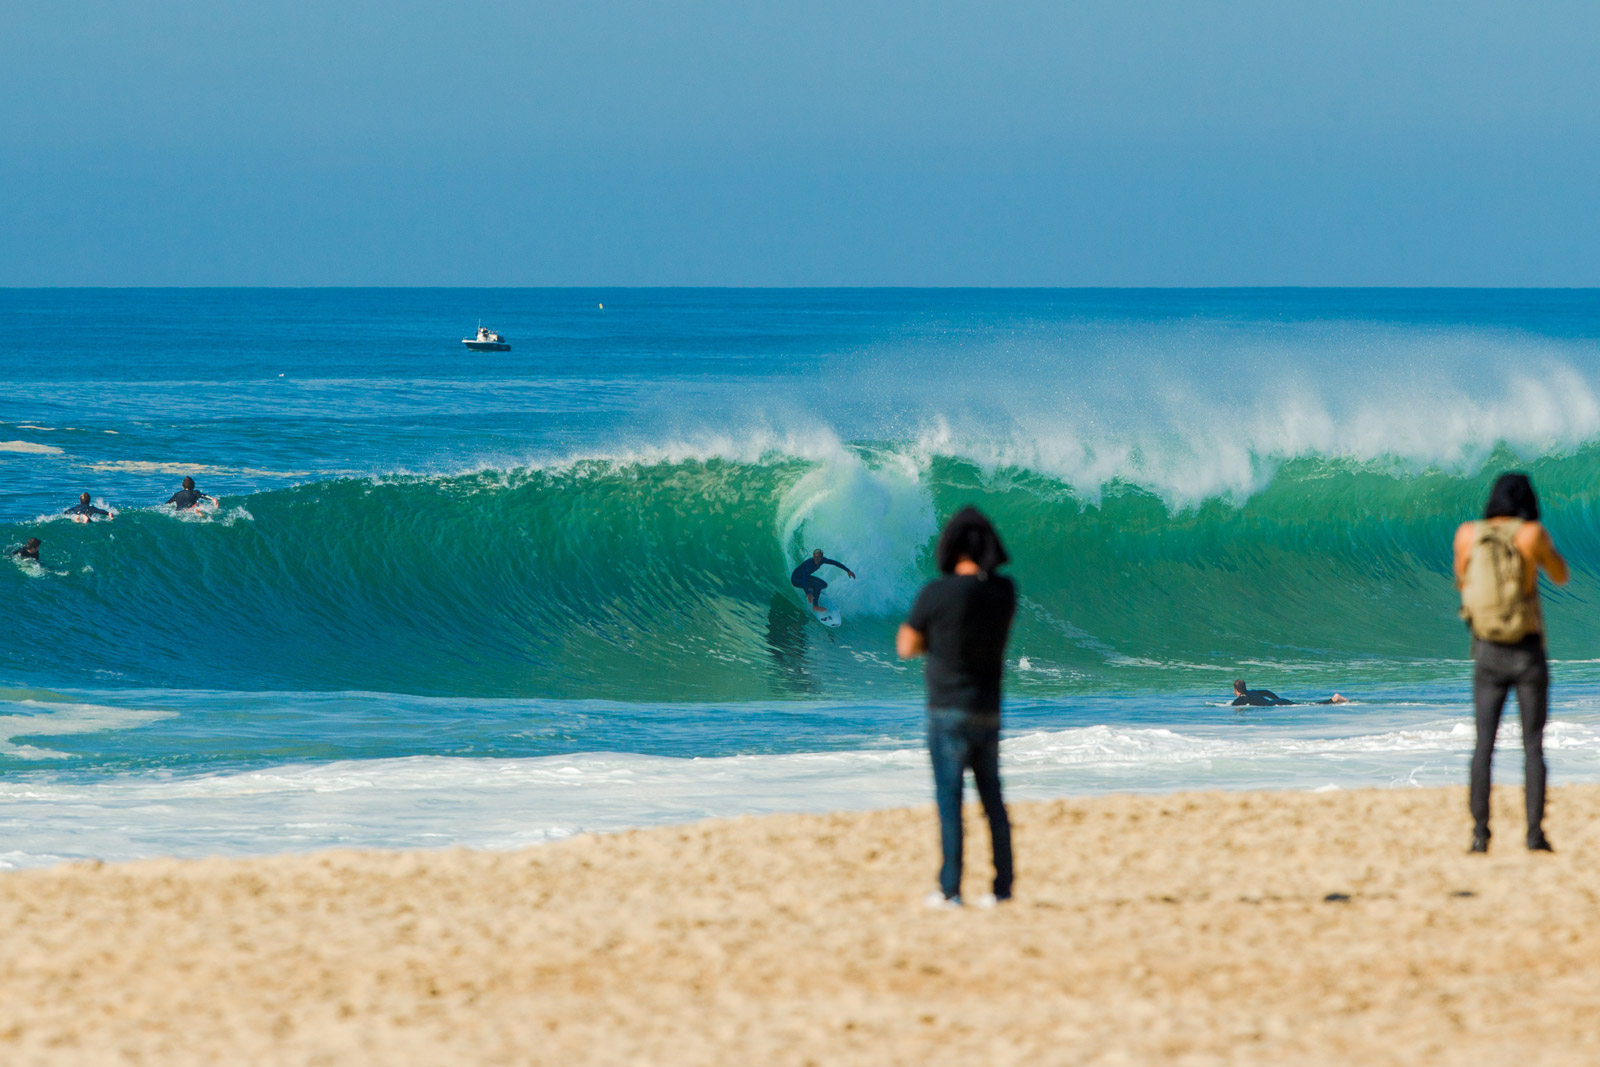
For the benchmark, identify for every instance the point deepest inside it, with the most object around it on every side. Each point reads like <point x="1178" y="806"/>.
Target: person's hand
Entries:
<point x="851" y="573"/>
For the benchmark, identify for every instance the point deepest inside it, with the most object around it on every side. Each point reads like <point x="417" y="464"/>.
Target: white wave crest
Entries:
<point x="438" y="801"/>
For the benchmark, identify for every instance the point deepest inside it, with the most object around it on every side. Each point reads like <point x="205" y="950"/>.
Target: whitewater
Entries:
<point x="495" y="598"/>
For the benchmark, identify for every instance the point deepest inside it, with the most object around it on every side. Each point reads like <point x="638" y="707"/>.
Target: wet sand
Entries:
<point x="1189" y="929"/>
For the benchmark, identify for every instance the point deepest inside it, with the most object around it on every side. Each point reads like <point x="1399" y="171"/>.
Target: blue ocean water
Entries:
<point x="490" y="598"/>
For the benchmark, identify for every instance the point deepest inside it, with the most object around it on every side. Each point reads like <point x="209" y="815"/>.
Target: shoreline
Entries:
<point x="1188" y="928"/>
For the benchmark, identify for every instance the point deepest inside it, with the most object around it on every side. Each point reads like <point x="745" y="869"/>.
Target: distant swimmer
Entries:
<point x="83" y="511"/>
<point x="805" y="577"/>
<point x="189" y="496"/>
<point x="1243" y="696"/>
<point x="28" y="551"/>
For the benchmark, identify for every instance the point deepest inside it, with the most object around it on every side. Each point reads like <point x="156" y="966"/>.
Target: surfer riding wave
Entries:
<point x="805" y="578"/>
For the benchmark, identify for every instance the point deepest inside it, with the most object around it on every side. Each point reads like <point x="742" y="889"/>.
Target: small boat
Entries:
<point x="487" y="341"/>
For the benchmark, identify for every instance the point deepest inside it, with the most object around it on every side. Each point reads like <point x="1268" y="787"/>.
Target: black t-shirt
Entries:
<point x="965" y="620"/>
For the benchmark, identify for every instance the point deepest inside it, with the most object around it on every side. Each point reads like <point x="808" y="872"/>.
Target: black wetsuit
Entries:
<point x="1266" y="698"/>
<point x="26" y="553"/>
<point x="805" y="576"/>
<point x="88" y="511"/>
<point x="186" y="498"/>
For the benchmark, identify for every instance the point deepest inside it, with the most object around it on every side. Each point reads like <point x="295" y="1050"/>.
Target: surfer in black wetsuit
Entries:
<point x="805" y="577"/>
<point x="83" y="511"/>
<point x="189" y="496"/>
<point x="28" y="551"/>
<point x="1265" y="698"/>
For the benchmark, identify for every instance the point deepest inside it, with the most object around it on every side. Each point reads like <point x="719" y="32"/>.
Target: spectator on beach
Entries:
<point x="961" y="621"/>
<point x="29" y="551"/>
<point x="1497" y="563"/>
<point x="83" y="511"/>
<point x="1265" y="698"/>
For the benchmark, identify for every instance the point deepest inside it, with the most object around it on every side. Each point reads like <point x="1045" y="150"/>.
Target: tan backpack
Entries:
<point x="1492" y="600"/>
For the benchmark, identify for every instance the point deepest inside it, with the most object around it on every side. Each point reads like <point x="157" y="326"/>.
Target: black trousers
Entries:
<point x="1496" y="670"/>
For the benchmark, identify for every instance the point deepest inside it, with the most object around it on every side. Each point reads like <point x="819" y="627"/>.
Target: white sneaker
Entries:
<point x="939" y="902"/>
<point x="988" y="900"/>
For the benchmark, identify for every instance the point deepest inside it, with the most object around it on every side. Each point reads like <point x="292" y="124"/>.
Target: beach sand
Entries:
<point x="1182" y="929"/>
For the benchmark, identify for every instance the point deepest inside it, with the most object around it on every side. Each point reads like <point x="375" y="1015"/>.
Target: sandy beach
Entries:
<point x="1182" y="929"/>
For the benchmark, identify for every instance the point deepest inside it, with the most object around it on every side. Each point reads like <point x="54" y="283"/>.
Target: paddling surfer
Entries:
<point x="189" y="496"/>
<point x="1244" y="696"/>
<point x="1497" y="564"/>
<point x="805" y="578"/>
<point x="29" y="551"/>
<point x="83" y="511"/>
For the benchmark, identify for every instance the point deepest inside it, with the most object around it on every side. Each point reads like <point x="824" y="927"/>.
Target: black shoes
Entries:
<point x="1537" y="842"/>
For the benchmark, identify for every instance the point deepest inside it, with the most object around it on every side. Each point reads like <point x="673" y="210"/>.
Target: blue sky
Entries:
<point x="419" y="143"/>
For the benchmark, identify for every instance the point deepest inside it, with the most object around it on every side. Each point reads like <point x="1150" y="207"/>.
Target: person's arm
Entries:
<point x="912" y="639"/>
<point x="841" y="566"/>
<point x="1542" y="551"/>
<point x="1466" y="536"/>
<point x="214" y="501"/>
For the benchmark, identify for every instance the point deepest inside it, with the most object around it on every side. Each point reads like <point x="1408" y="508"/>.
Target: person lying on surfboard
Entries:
<point x="189" y="496"/>
<point x="1244" y="696"/>
<point x="83" y="511"/>
<point x="805" y="578"/>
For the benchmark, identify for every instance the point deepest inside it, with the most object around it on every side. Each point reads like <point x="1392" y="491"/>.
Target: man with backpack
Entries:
<point x="1497" y="562"/>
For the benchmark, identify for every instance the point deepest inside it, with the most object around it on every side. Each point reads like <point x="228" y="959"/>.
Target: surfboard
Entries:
<point x="830" y="616"/>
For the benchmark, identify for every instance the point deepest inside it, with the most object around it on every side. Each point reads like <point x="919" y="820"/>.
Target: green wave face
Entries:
<point x="664" y="581"/>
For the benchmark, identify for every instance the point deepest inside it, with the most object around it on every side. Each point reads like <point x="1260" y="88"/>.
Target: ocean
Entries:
<point x="490" y="599"/>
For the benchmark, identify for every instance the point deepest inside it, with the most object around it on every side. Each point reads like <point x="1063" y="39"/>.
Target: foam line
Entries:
<point x="435" y="801"/>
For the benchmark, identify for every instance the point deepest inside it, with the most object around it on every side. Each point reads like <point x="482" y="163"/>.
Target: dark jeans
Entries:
<point x="1497" y="668"/>
<point x="958" y="740"/>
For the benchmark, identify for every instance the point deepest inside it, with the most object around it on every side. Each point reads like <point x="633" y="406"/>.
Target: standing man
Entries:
<point x="83" y="511"/>
<point x="962" y="620"/>
<point x="805" y="577"/>
<point x="1497" y="562"/>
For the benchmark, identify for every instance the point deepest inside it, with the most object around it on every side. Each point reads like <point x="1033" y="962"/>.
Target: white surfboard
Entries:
<point x="829" y="616"/>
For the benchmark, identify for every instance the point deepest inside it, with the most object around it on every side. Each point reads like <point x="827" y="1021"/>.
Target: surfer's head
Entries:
<point x="84" y="499"/>
<point x="1512" y="497"/>
<point x="33" y="543"/>
<point x="816" y="554"/>
<point x="969" y="535"/>
<point x="1239" y="687"/>
<point x="188" y="483"/>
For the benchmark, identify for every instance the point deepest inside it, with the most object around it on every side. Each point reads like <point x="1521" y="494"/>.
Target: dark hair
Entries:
<point x="1238" y="683"/>
<point x="969" y="533"/>
<point x="188" y="483"/>
<point x="84" y="498"/>
<point x="33" y="542"/>
<point x="1512" y="496"/>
